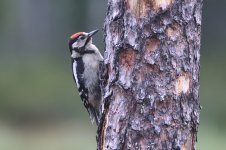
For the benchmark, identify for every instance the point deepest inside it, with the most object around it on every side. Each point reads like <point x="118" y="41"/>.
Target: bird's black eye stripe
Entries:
<point x="82" y="37"/>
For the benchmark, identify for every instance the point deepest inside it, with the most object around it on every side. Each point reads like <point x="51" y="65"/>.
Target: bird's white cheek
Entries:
<point x="76" y="44"/>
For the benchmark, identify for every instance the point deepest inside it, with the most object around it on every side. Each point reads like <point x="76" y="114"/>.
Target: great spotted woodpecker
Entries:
<point x="86" y="59"/>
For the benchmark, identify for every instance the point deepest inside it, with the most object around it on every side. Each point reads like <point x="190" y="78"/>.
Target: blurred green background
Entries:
<point x="39" y="105"/>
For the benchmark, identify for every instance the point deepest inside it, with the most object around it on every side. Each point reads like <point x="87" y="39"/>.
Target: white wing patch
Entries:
<point x="75" y="73"/>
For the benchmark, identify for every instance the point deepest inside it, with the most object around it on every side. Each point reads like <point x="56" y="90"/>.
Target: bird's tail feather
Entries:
<point x="94" y="115"/>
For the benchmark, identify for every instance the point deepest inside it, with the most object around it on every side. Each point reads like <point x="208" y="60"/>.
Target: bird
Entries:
<point x="86" y="61"/>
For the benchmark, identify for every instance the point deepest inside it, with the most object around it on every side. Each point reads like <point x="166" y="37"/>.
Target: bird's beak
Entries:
<point x="90" y="34"/>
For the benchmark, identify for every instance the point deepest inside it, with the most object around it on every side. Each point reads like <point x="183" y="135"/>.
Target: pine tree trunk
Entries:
<point x="151" y="75"/>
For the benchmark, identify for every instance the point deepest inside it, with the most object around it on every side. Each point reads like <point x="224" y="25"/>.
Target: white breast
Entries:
<point x="91" y="68"/>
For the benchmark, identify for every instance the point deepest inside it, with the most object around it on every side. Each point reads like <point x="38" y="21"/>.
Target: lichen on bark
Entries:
<point x="150" y="79"/>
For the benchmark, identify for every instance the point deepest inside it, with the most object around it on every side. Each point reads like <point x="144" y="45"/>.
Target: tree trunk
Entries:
<point x="150" y="78"/>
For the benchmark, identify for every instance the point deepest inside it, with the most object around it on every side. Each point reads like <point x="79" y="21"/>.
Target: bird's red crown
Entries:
<point x="74" y="36"/>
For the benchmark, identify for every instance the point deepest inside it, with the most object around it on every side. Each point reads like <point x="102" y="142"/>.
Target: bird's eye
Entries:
<point x="82" y="37"/>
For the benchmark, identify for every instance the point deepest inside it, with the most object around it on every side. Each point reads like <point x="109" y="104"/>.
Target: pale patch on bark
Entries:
<point x="183" y="147"/>
<point x="175" y="34"/>
<point x="126" y="64"/>
<point x="174" y="31"/>
<point x="137" y="7"/>
<point x="140" y="7"/>
<point x="182" y="84"/>
<point x="162" y="4"/>
<point x="188" y="144"/>
<point x="103" y="133"/>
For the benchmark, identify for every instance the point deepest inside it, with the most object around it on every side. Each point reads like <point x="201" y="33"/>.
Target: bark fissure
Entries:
<point x="151" y="75"/>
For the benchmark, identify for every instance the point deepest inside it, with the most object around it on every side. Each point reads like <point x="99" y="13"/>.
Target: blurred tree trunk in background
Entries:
<point x="151" y="75"/>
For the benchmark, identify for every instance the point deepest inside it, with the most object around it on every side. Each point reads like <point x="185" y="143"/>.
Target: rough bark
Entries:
<point x="151" y="75"/>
